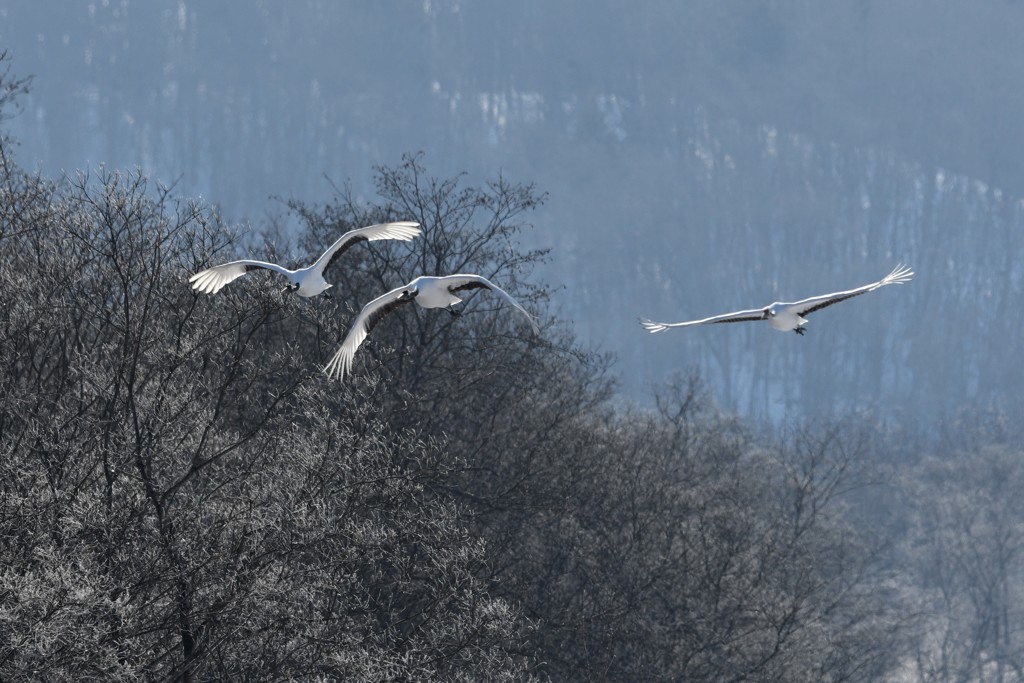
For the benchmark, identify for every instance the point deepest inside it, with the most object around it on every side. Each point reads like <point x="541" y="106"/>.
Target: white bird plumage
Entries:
<point x="308" y="281"/>
<point x="789" y="316"/>
<point x="428" y="292"/>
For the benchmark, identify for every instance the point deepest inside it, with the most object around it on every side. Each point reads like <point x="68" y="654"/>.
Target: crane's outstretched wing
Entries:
<point x="212" y="280"/>
<point x="737" y="317"/>
<point x="402" y="230"/>
<point x="372" y="313"/>
<point x="898" y="276"/>
<point x="462" y="282"/>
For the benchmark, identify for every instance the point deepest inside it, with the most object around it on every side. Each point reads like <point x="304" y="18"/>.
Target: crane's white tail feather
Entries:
<point x="652" y="326"/>
<point x="340" y="365"/>
<point x="899" y="275"/>
<point x="207" y="282"/>
<point x="212" y="280"/>
<point x="401" y="230"/>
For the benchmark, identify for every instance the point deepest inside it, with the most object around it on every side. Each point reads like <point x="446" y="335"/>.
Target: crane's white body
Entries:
<point x="433" y="291"/>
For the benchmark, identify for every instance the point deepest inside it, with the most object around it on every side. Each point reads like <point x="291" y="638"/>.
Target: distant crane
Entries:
<point x="789" y="316"/>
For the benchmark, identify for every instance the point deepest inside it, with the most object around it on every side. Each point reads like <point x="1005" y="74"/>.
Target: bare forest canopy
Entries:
<point x="696" y="157"/>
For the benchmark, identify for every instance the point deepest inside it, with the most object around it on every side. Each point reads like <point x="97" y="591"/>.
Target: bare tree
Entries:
<point x="966" y="545"/>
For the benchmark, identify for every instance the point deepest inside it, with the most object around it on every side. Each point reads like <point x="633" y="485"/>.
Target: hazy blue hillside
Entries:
<point x="698" y="158"/>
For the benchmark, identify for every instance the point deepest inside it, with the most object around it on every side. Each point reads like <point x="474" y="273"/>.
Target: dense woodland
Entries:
<point x="185" y="496"/>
